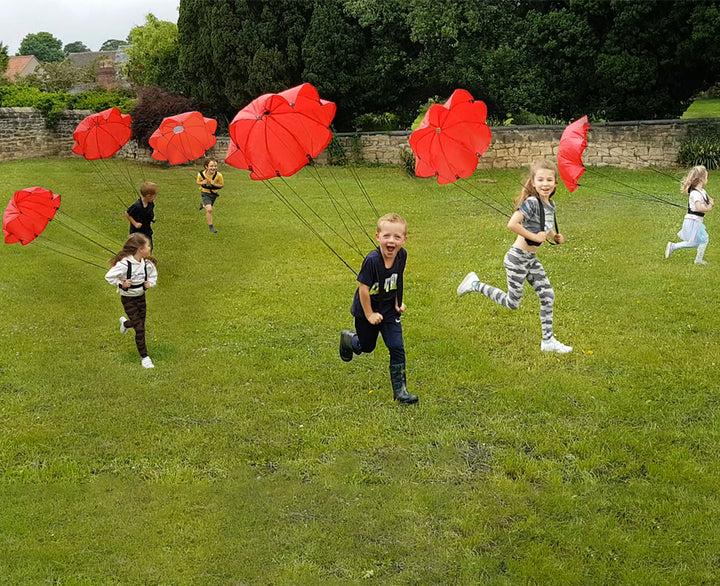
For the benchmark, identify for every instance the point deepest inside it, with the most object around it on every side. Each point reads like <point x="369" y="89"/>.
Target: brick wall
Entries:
<point x="626" y="144"/>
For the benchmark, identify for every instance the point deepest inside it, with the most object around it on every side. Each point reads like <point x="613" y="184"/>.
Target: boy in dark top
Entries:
<point x="378" y="303"/>
<point x="141" y="214"/>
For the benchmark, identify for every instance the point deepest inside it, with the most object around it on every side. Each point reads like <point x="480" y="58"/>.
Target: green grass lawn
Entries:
<point x="709" y="108"/>
<point x="252" y="455"/>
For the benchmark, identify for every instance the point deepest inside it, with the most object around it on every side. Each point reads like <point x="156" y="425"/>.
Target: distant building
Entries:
<point x="20" y="66"/>
<point x="109" y="73"/>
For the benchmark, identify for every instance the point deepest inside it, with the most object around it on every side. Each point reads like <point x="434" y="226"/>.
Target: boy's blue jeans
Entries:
<point x="390" y="328"/>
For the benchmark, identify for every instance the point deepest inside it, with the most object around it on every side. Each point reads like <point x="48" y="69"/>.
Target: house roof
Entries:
<point x="86" y="58"/>
<point x="20" y="64"/>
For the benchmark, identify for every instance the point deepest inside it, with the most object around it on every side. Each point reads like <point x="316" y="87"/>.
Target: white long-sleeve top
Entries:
<point x="117" y="274"/>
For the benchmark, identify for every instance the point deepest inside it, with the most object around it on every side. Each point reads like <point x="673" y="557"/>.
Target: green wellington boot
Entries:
<point x="399" y="385"/>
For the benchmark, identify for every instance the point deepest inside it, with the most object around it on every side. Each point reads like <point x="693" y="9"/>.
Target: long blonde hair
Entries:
<point x="528" y="189"/>
<point x="131" y="246"/>
<point x="694" y="177"/>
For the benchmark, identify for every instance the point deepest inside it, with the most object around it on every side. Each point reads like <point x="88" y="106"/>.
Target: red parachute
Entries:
<point x="278" y="134"/>
<point x="451" y="138"/>
<point x="569" y="156"/>
<point x="28" y="213"/>
<point x="182" y="138"/>
<point x="101" y="135"/>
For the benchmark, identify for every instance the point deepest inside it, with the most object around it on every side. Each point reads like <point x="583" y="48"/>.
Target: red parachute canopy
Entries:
<point x="451" y="138"/>
<point x="182" y="138"/>
<point x="27" y="214"/>
<point x="101" y="135"/>
<point x="278" y="134"/>
<point x="569" y="156"/>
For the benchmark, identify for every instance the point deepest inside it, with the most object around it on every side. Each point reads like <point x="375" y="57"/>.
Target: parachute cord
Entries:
<point x="88" y="227"/>
<point x="338" y="207"/>
<point x="652" y="197"/>
<point x="364" y="191"/>
<point x="299" y="216"/>
<point x="44" y="245"/>
<point x="477" y="197"/>
<point x="328" y="226"/>
<point x="355" y="214"/>
<point x="51" y="241"/>
<point x="110" y="185"/>
<point x="68" y="227"/>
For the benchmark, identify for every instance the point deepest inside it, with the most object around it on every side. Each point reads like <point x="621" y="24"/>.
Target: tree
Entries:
<point x="43" y="46"/>
<point x="112" y="44"/>
<point x="60" y="76"/>
<point x="75" y="47"/>
<point x="153" y="55"/>
<point x="3" y="58"/>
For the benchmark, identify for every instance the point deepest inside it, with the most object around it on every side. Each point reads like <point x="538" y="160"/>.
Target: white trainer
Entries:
<point x="468" y="284"/>
<point x="669" y="249"/>
<point x="147" y="363"/>
<point x="123" y="329"/>
<point x="700" y="262"/>
<point x="552" y="345"/>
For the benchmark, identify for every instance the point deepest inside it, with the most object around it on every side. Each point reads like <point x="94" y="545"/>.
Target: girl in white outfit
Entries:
<point x="693" y="233"/>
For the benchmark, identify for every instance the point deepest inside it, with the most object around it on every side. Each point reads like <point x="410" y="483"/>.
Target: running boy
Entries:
<point x="378" y="303"/>
<point x="210" y="182"/>
<point x="141" y="214"/>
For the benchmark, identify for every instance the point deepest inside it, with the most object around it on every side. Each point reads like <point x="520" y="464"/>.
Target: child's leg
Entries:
<point x="365" y="337"/>
<point x="136" y="308"/>
<point x="702" y="240"/>
<point x="391" y="330"/>
<point x="516" y="265"/>
<point x="537" y="277"/>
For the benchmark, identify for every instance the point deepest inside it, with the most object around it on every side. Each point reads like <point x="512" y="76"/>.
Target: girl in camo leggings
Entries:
<point x="533" y="223"/>
<point x="132" y="272"/>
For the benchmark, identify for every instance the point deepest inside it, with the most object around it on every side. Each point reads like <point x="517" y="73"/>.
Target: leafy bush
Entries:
<point x="383" y="122"/>
<point x="407" y="158"/>
<point x="152" y="106"/>
<point x="701" y="147"/>
<point x="336" y="153"/>
<point x="101" y="99"/>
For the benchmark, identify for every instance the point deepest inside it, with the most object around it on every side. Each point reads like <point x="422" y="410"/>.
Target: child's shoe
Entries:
<point x="212" y="229"/>
<point x="123" y="329"/>
<point x="552" y="345"/>
<point x="700" y="262"/>
<point x="147" y="363"/>
<point x="669" y="249"/>
<point x="468" y="284"/>
<point x="346" y="349"/>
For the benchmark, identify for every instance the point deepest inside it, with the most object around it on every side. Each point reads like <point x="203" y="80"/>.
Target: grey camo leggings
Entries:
<point x="524" y="266"/>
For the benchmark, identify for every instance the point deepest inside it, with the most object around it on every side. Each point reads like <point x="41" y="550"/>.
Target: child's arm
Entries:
<point x="515" y="225"/>
<point x="364" y="293"/>
<point x="116" y="276"/>
<point x="133" y="221"/>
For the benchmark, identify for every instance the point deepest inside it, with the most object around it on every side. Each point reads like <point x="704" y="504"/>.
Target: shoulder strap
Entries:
<point x="129" y="270"/>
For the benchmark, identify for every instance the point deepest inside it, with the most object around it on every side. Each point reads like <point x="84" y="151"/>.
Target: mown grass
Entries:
<point x="252" y="455"/>
<point x="706" y="108"/>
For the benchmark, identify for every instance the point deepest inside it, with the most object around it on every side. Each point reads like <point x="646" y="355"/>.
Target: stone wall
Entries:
<point x="626" y="144"/>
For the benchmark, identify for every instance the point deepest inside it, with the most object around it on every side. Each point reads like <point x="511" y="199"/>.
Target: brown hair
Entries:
<point x="528" y="189"/>
<point x="148" y="188"/>
<point x="131" y="246"/>
<point x="209" y="160"/>
<point x="392" y="218"/>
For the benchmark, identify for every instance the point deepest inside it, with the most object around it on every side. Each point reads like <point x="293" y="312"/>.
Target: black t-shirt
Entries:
<point x="142" y="214"/>
<point x="386" y="285"/>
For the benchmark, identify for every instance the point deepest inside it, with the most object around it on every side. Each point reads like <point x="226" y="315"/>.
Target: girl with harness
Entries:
<point x="132" y="272"/>
<point x="533" y="222"/>
<point x="693" y="233"/>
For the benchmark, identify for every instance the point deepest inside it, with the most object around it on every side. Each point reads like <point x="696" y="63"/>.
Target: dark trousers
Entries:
<point x="136" y="308"/>
<point x="391" y="330"/>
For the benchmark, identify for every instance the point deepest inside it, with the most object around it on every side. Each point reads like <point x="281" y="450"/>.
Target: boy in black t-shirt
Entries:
<point x="141" y="214"/>
<point x="378" y="303"/>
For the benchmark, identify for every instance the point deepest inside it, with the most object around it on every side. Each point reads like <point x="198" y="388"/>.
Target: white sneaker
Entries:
<point x="123" y="329"/>
<point x="700" y="262"/>
<point x="668" y="249"/>
<point x="467" y="284"/>
<point x="147" y="363"/>
<point x="552" y="345"/>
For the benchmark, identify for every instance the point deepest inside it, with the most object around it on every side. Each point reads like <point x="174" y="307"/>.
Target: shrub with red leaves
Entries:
<point x="153" y="105"/>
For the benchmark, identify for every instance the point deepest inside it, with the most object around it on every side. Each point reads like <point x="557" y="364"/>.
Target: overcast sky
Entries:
<point x="90" y="21"/>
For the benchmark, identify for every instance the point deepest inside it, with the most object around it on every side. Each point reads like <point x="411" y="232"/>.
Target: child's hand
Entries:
<point x="540" y="237"/>
<point x="559" y="238"/>
<point x="400" y="309"/>
<point x="375" y="318"/>
<point x="126" y="283"/>
<point x="147" y="284"/>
